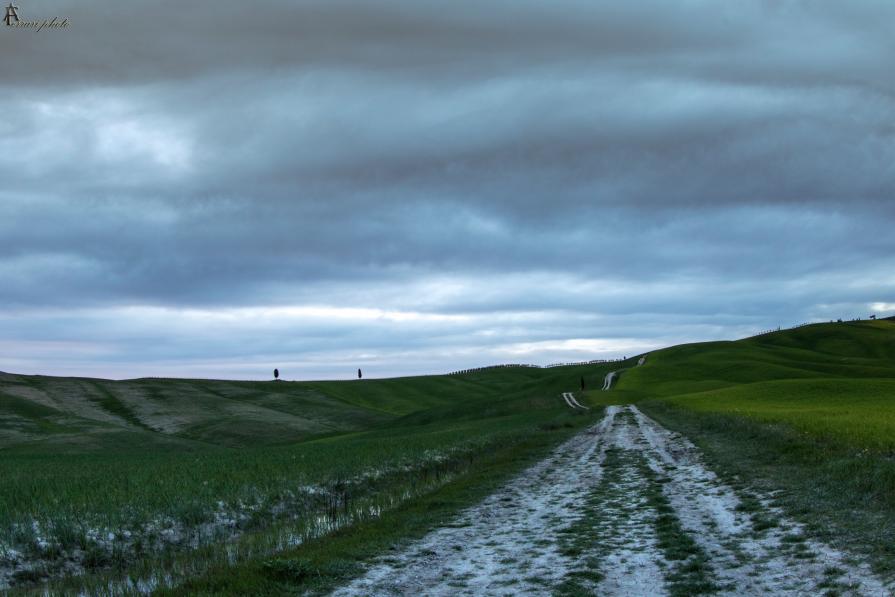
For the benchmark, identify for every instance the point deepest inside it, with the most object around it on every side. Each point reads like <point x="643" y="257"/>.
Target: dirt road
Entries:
<point x="625" y="508"/>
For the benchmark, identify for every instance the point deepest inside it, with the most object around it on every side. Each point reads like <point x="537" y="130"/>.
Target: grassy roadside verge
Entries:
<point x="321" y="564"/>
<point x="844" y="495"/>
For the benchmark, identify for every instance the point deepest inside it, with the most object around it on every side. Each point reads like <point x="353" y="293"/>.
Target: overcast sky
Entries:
<point x="216" y="188"/>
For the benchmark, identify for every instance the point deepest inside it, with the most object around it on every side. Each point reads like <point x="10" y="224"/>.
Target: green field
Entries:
<point x="172" y="468"/>
<point x="832" y="382"/>
<point x="855" y="412"/>
<point x="209" y="480"/>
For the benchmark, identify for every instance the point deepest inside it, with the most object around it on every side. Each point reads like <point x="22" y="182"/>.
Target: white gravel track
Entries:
<point x="510" y="543"/>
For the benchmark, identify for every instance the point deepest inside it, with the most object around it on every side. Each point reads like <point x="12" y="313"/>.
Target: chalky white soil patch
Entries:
<point x="511" y="542"/>
<point x="505" y="545"/>
<point x="631" y="560"/>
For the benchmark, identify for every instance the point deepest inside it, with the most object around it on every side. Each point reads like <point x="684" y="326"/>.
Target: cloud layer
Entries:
<point x="218" y="188"/>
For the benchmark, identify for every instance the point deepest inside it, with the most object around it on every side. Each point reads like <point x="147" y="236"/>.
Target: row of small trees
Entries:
<point x="508" y="365"/>
<point x="801" y="325"/>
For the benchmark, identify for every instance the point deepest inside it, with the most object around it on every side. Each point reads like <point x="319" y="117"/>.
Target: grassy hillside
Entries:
<point x="833" y="381"/>
<point x="83" y="414"/>
<point x="853" y="349"/>
<point x="79" y="414"/>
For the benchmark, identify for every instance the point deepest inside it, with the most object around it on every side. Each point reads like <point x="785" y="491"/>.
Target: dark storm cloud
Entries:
<point x="491" y="179"/>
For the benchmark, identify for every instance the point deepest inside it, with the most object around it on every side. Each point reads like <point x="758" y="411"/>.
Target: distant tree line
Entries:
<point x="801" y="325"/>
<point x="508" y="365"/>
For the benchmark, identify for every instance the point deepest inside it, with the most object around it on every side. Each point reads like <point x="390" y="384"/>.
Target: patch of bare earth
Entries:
<point x="589" y="518"/>
<point x="33" y="394"/>
<point x="622" y="538"/>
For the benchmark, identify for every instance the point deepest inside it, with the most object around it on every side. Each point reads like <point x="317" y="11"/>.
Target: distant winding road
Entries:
<point x="610" y="377"/>
<point x="570" y="400"/>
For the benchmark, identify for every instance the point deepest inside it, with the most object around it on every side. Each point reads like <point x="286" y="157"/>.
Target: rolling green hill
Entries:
<point x="79" y="414"/>
<point x="846" y="350"/>
<point x="834" y="381"/>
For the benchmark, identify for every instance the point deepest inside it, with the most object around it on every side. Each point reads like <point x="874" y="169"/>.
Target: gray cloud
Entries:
<point x="511" y="178"/>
